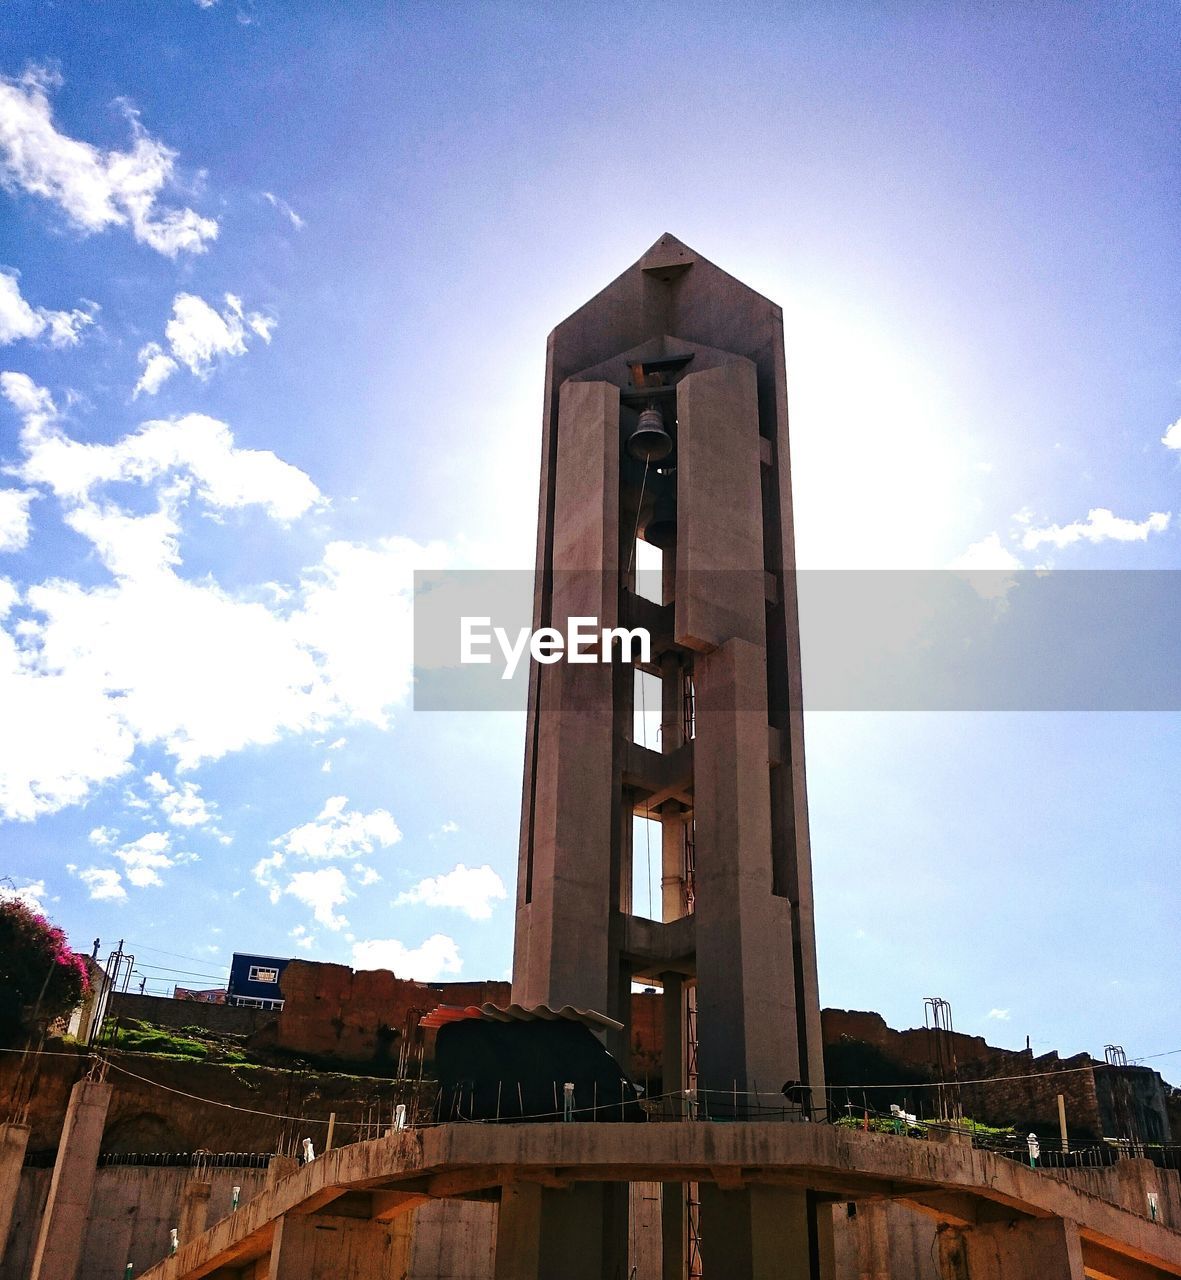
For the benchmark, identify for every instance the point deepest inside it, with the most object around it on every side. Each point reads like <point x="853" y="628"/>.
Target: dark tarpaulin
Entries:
<point x="515" y="1071"/>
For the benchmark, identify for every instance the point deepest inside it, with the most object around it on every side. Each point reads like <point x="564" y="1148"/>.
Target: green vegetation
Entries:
<point x="190" y="1044"/>
<point x="887" y="1124"/>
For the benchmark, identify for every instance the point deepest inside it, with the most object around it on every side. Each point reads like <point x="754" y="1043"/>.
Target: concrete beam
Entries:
<point x="318" y="1247"/>
<point x="1049" y="1249"/>
<point x="810" y="1155"/>
<point x="194" y="1209"/>
<point x="14" y="1140"/>
<point x="63" y="1225"/>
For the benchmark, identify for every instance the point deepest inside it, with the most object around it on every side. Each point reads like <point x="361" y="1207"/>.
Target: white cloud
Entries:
<point x="365" y="875"/>
<point x="146" y="857"/>
<point x="32" y="894"/>
<point x="183" y="805"/>
<point x="158" y="367"/>
<point x="302" y="937"/>
<point x="88" y="672"/>
<point x="998" y="1015"/>
<point x="19" y="320"/>
<point x="196" y="453"/>
<point x="197" y="336"/>
<point x="987" y="554"/>
<point x="103" y="836"/>
<point x="338" y="832"/>
<point x="357" y="614"/>
<point x="95" y="189"/>
<point x="437" y="956"/>
<point x="323" y="891"/>
<point x="62" y="736"/>
<point x="283" y="207"/>
<point x="336" y="746"/>
<point x="471" y="890"/>
<point x="1172" y="437"/>
<point x="105" y="884"/>
<point x="14" y="518"/>
<point x="265" y="873"/>
<point x="1101" y="525"/>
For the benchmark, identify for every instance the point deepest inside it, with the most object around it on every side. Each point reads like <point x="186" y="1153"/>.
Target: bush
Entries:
<point x="41" y="978"/>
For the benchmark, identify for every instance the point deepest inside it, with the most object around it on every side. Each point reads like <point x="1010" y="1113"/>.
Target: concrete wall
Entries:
<point x="879" y="1240"/>
<point x="453" y="1240"/>
<point x="132" y="1211"/>
<point x="1128" y="1183"/>
<point x="165" y="1012"/>
<point x="145" y="1117"/>
<point x="134" y="1208"/>
<point x="332" y="1012"/>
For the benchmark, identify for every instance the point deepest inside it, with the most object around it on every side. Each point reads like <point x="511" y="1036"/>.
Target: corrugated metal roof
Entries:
<point x="444" y="1013"/>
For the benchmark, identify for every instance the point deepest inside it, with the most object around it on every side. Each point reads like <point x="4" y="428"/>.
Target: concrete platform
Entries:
<point x="378" y="1181"/>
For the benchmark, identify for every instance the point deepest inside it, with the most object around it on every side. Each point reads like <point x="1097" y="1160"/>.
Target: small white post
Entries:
<point x="309" y="1152"/>
<point x="399" y="1117"/>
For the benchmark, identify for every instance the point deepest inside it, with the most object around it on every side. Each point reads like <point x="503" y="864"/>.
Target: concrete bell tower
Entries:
<point x="666" y="417"/>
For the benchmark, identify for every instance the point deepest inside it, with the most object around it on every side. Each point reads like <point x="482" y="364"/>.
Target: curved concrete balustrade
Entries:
<point x="336" y="1217"/>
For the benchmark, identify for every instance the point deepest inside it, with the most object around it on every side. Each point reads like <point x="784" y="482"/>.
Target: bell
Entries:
<point x="649" y="442"/>
<point x="661" y="529"/>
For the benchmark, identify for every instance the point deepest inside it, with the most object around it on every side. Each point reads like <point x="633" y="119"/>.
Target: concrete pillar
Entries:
<point x="579" y="1233"/>
<point x="672" y="861"/>
<point x="1135" y="1181"/>
<point x="870" y="1228"/>
<point x="280" y="1167"/>
<point x="826" y="1246"/>
<point x="760" y="1233"/>
<point x="14" y="1138"/>
<point x="674" y="1230"/>
<point x="674" y="1225"/>
<point x="63" y="1226"/>
<point x="644" y="1252"/>
<point x="1048" y="1248"/>
<point x="321" y="1247"/>
<point x="194" y="1210"/>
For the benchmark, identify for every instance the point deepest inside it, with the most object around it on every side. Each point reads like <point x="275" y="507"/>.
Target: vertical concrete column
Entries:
<point x="673" y="1209"/>
<point x="570" y="837"/>
<point x="14" y="1139"/>
<point x="746" y="1025"/>
<point x="63" y="1226"/>
<point x="1048" y="1248"/>
<point x="278" y="1168"/>
<point x="672" y="825"/>
<point x="760" y="1233"/>
<point x="871" y="1230"/>
<point x="1135" y="1179"/>
<point x="321" y="1247"/>
<point x="674" y="1230"/>
<point x="577" y="1234"/>
<point x="194" y="1210"/>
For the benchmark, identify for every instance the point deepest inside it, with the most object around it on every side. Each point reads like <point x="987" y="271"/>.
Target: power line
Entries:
<point x="187" y="973"/>
<point x="139" y="946"/>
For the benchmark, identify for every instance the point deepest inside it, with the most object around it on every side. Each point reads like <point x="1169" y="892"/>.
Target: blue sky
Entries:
<point x="318" y="248"/>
